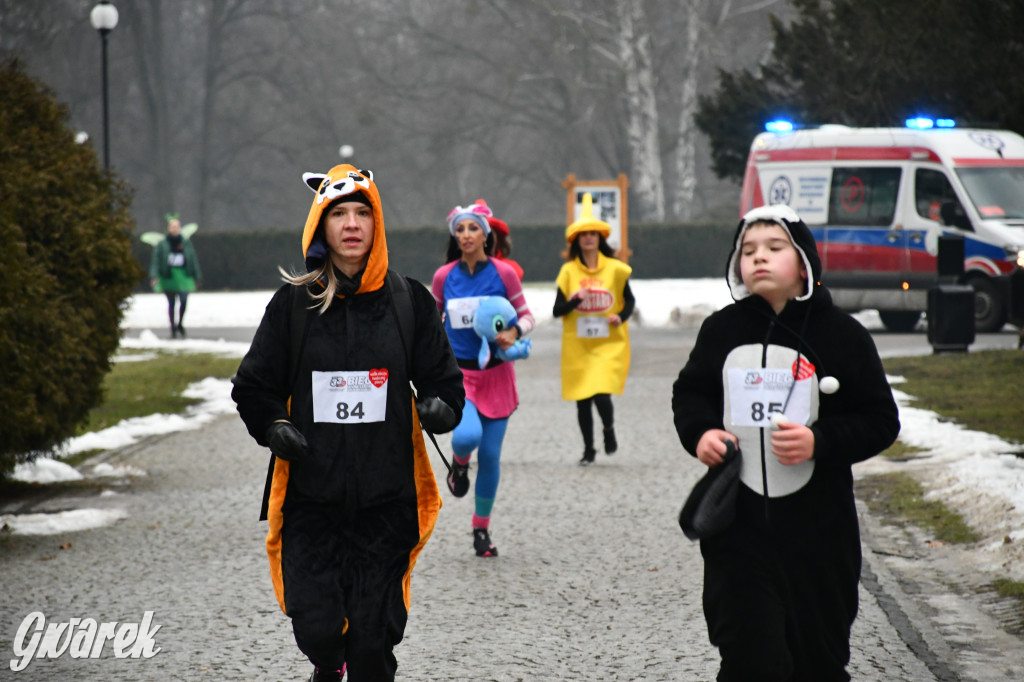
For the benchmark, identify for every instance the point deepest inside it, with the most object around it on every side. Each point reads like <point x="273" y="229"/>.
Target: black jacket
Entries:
<point x="356" y="465"/>
<point x="856" y="422"/>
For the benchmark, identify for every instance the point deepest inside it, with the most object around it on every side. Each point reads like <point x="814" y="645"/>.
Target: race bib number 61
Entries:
<point x="358" y="397"/>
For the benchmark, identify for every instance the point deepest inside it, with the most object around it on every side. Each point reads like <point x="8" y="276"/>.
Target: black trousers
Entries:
<point x="343" y="584"/>
<point x="585" y="416"/>
<point x="779" y="606"/>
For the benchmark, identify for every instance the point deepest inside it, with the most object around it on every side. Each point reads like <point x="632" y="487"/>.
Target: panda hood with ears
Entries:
<point x="799" y="234"/>
<point x="339" y="182"/>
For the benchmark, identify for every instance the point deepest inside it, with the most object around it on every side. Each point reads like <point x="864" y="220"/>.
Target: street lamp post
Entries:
<point x="104" y="18"/>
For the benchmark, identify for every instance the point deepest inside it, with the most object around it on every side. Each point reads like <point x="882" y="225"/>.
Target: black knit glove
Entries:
<point x="436" y="415"/>
<point x="286" y="442"/>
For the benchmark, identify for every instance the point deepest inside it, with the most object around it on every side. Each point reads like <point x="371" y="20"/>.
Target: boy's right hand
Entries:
<point x="711" y="449"/>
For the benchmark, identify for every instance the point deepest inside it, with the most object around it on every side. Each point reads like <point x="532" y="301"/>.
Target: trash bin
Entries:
<point x="1016" y="290"/>
<point x="950" y="317"/>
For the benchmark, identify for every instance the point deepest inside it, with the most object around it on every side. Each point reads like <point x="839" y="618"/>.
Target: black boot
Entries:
<point x="174" y="332"/>
<point x="588" y="455"/>
<point x="610" y="444"/>
<point x="181" y="330"/>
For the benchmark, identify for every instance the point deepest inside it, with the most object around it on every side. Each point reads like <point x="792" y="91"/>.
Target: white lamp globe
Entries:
<point x="103" y="17"/>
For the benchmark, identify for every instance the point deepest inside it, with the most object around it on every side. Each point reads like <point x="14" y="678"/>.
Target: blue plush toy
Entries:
<point x="493" y="315"/>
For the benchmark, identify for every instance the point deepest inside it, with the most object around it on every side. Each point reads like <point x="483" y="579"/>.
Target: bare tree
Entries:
<point x="685" y="157"/>
<point x="642" y="127"/>
<point x="217" y="106"/>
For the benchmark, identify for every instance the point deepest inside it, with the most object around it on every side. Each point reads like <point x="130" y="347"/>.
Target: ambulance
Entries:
<point x="878" y="199"/>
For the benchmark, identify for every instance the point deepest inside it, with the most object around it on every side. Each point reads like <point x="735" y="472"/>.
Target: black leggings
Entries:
<point x="586" y="417"/>
<point x="182" y="297"/>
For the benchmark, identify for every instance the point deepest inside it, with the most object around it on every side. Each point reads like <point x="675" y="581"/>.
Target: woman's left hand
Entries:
<point x="505" y="339"/>
<point x="614" y="320"/>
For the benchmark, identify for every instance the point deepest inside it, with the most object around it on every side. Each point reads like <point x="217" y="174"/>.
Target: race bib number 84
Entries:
<point x="358" y="397"/>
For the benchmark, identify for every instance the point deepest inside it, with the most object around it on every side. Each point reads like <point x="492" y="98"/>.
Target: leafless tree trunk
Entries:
<point x="686" y="146"/>
<point x="642" y="109"/>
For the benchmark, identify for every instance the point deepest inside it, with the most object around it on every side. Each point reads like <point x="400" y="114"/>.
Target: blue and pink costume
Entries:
<point x="491" y="395"/>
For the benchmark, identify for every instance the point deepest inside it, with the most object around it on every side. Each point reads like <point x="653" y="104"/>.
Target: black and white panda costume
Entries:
<point x="780" y="585"/>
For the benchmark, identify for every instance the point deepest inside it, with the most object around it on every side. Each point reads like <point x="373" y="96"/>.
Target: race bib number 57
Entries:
<point x="358" y="397"/>
<point x="592" y="327"/>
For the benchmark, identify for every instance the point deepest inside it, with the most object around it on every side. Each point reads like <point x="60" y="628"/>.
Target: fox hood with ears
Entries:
<point x="337" y="183"/>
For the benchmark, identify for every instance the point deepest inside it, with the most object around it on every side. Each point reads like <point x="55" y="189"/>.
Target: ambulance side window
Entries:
<point x="931" y="189"/>
<point x="863" y="196"/>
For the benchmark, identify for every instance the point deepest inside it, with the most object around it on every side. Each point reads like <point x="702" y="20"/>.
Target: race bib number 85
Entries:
<point x="358" y="397"/>
<point x="755" y="394"/>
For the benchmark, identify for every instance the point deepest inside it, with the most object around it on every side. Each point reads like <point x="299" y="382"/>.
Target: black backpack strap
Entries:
<point x="401" y="303"/>
<point x="400" y="296"/>
<point x="299" y="318"/>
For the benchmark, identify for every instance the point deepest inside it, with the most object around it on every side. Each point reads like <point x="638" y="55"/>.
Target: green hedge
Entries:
<point x="65" y="271"/>
<point x="249" y="260"/>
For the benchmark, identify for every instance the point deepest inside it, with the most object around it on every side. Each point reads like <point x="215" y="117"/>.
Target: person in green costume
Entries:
<point x="174" y="270"/>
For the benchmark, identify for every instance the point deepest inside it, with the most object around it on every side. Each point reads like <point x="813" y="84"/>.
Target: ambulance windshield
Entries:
<point x="996" y="191"/>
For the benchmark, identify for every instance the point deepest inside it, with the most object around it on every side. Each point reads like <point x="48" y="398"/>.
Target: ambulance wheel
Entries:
<point x="899" y="320"/>
<point x="989" y="308"/>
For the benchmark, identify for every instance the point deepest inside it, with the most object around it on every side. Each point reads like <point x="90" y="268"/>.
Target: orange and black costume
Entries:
<point x="348" y="521"/>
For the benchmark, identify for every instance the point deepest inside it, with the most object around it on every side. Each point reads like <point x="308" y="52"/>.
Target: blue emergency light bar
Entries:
<point x="924" y="123"/>
<point x="778" y="126"/>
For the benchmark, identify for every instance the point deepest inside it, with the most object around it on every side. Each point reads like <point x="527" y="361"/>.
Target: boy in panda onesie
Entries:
<point x="798" y="385"/>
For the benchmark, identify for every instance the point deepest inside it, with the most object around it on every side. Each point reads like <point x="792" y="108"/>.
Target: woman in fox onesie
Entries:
<point x="594" y="301"/>
<point x="326" y="386"/>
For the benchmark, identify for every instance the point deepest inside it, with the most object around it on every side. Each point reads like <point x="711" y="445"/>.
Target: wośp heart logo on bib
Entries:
<point x="378" y="377"/>
<point x="806" y="370"/>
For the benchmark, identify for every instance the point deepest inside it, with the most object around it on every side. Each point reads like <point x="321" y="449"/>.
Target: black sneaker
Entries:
<point x="482" y="543"/>
<point x="458" y="479"/>
<point x="588" y="456"/>
<point x="181" y="330"/>
<point x="610" y="444"/>
<point x="327" y="675"/>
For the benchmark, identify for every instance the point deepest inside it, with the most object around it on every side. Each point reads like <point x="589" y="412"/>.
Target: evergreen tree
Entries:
<point x="66" y="269"/>
<point x="875" y="63"/>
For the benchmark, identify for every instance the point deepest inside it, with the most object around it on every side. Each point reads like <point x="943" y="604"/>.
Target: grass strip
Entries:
<point x="900" y="496"/>
<point x="900" y="451"/>
<point x="145" y="387"/>
<point x="979" y="390"/>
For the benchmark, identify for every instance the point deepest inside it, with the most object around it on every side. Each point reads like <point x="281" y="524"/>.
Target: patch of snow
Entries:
<point x="60" y="522"/>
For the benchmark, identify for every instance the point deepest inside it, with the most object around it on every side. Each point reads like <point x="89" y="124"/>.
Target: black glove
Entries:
<point x="436" y="415"/>
<point x="286" y="441"/>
